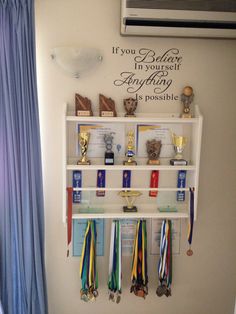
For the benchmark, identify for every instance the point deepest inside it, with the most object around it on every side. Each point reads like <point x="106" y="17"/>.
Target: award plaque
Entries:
<point x="130" y="105"/>
<point x="186" y="99"/>
<point x="83" y="142"/>
<point x="130" y="197"/>
<point x="83" y="106"/>
<point x="106" y="107"/>
<point x="153" y="151"/>
<point x="130" y="150"/>
<point x="179" y="143"/>
<point x="109" y="154"/>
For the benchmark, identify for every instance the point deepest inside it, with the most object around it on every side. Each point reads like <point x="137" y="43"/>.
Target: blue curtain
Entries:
<point x="22" y="272"/>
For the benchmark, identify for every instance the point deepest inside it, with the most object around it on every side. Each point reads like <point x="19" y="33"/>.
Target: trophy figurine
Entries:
<point x="83" y="106"/>
<point x="106" y="106"/>
<point x="130" y="105"/>
<point x="83" y="142"/>
<point x="130" y="197"/>
<point x="109" y="154"/>
<point x="130" y="150"/>
<point x="153" y="151"/>
<point x="186" y="99"/>
<point x="179" y="143"/>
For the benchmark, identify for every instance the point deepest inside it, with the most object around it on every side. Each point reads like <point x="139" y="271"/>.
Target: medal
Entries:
<point x="165" y="261"/>
<point x="191" y="222"/>
<point x="139" y="264"/>
<point x="88" y="272"/>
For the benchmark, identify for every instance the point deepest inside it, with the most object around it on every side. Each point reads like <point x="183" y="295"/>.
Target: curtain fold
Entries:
<point x="22" y="271"/>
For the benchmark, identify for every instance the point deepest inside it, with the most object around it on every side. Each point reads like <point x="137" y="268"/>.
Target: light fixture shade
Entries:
<point x="76" y="61"/>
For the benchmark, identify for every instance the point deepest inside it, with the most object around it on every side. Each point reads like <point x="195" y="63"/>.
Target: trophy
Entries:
<point x="186" y="99"/>
<point x="109" y="155"/>
<point x="179" y="143"/>
<point x="130" y="150"/>
<point x="130" y="197"/>
<point x="106" y="106"/>
<point x="83" y="142"/>
<point x="130" y="105"/>
<point x="83" y="106"/>
<point x="153" y="151"/>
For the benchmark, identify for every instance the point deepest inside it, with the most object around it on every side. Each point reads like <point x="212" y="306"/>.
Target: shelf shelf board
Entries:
<point x="131" y="189"/>
<point x="138" y="215"/>
<point x="138" y="119"/>
<point x="133" y="168"/>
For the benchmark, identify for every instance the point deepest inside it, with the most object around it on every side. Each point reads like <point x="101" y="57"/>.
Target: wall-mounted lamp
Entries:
<point x="76" y="61"/>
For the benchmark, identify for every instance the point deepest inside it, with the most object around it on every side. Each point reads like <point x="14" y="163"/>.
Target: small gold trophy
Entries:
<point x="179" y="143"/>
<point x="186" y="99"/>
<point x="130" y="150"/>
<point x="130" y="197"/>
<point x="130" y="105"/>
<point x="83" y="142"/>
<point x="153" y="151"/>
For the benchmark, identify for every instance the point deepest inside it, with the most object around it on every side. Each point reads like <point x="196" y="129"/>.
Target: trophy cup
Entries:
<point x="106" y="106"/>
<point x="130" y="197"/>
<point x="109" y="154"/>
<point x="83" y="142"/>
<point x="186" y="99"/>
<point x="179" y="143"/>
<point x="83" y="106"/>
<point x="153" y="151"/>
<point x="130" y="105"/>
<point x="130" y="150"/>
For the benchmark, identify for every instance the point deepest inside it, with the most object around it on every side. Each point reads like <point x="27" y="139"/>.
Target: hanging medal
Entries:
<point x="191" y="221"/>
<point x="139" y="275"/>
<point x="165" y="261"/>
<point x="88" y="273"/>
<point x="114" y="279"/>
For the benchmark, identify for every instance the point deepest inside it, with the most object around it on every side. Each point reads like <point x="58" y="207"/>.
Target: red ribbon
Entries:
<point x="154" y="182"/>
<point x="69" y="217"/>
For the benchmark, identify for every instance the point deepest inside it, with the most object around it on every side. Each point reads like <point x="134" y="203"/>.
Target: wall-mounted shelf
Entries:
<point x="192" y="129"/>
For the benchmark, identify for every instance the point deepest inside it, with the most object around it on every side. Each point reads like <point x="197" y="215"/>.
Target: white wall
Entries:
<point x="204" y="283"/>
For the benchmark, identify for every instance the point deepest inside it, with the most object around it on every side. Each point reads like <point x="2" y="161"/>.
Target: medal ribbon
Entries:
<point x="191" y="216"/>
<point x="69" y="217"/>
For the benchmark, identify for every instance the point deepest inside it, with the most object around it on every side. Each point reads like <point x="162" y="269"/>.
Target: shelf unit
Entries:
<point x="192" y="128"/>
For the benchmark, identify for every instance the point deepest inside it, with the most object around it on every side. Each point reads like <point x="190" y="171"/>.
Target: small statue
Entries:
<point x="83" y="106"/>
<point x="153" y="151"/>
<point x="186" y="99"/>
<point x="130" y="105"/>
<point x="106" y="106"/>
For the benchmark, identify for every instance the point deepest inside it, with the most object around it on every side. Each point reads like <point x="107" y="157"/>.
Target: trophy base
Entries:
<point x="109" y="158"/>
<point x="84" y="113"/>
<point x="127" y="209"/>
<point x="130" y="163"/>
<point x="107" y="113"/>
<point x="178" y="162"/>
<point x="130" y="115"/>
<point x="153" y="162"/>
<point x="87" y="162"/>
<point x="186" y="115"/>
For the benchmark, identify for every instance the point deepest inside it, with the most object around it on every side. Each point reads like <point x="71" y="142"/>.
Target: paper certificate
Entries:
<point x="159" y="132"/>
<point x="96" y="147"/>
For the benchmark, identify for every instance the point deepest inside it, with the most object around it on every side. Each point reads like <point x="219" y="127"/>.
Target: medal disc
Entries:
<point x="189" y="252"/>
<point x="160" y="291"/>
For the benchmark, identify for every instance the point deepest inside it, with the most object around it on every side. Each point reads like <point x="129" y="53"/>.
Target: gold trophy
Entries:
<point x="130" y="197"/>
<point x="83" y="142"/>
<point x="179" y="143"/>
<point x="130" y="150"/>
<point x="153" y="151"/>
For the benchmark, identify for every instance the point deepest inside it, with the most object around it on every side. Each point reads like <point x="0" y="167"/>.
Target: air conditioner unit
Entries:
<point x="179" y="18"/>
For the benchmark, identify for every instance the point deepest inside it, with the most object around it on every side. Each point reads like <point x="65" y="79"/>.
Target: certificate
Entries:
<point x="96" y="147"/>
<point x="159" y="132"/>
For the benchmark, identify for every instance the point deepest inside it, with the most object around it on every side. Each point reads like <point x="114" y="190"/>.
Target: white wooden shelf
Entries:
<point x="137" y="215"/>
<point x="133" y="168"/>
<point x="131" y="189"/>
